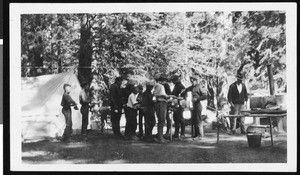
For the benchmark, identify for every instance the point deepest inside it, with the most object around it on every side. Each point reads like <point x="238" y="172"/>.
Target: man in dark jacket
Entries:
<point x="178" y="113"/>
<point x="148" y="108"/>
<point x="140" y="111"/>
<point x="237" y="98"/>
<point x="198" y="94"/>
<point x="84" y="99"/>
<point x="116" y="106"/>
<point x="66" y="103"/>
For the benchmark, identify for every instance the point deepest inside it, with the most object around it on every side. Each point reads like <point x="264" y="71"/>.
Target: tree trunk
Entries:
<point x="37" y="68"/>
<point x="211" y="95"/>
<point x="85" y="53"/>
<point x="59" y="58"/>
<point x="271" y="80"/>
<point x="37" y="61"/>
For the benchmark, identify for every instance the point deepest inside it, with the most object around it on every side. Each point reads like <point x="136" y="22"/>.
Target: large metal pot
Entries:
<point x="281" y="101"/>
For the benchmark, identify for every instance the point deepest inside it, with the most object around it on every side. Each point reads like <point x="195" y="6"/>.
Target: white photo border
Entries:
<point x="16" y="9"/>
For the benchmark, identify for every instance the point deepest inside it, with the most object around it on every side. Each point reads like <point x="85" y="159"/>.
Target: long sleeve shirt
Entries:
<point x="115" y="97"/>
<point x="132" y="100"/>
<point x="125" y="93"/>
<point x="198" y="93"/>
<point x="147" y="101"/>
<point x="67" y="101"/>
<point x="84" y="97"/>
<point x="167" y="88"/>
<point x="178" y="88"/>
<point x="235" y="96"/>
<point x="160" y="93"/>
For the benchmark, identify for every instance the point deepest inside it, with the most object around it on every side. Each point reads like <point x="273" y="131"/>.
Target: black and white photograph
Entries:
<point x="1" y="104"/>
<point x="153" y="87"/>
<point x="1" y="81"/>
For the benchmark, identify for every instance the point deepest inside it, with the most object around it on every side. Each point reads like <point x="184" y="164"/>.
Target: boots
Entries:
<point x="196" y="131"/>
<point x="167" y="134"/>
<point x="201" y="131"/>
<point x="176" y="134"/>
<point x="160" y="135"/>
<point x="182" y="131"/>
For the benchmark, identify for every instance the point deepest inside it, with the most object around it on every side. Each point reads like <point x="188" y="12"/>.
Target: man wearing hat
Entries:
<point x="198" y="94"/>
<point x="178" y="114"/>
<point x="237" y="98"/>
<point x="164" y="81"/>
<point x="161" y="101"/>
<point x="116" y="106"/>
<point x="148" y="108"/>
<point x="84" y="99"/>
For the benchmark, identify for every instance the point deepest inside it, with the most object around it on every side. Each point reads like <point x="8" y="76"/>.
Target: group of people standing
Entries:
<point x="152" y="104"/>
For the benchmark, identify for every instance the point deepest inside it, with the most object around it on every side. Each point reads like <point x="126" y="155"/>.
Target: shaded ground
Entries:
<point x="104" y="148"/>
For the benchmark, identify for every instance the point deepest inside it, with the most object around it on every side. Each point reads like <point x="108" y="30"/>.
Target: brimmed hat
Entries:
<point x="193" y="77"/>
<point x="131" y="82"/>
<point x="140" y="87"/>
<point x="163" y="77"/>
<point x="239" y="76"/>
<point x="175" y="78"/>
<point x="135" y="88"/>
<point x="118" y="79"/>
<point x="84" y="83"/>
<point x="150" y="83"/>
<point x="156" y="77"/>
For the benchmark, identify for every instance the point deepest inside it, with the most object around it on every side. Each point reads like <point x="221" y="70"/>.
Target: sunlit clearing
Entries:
<point x="76" y="145"/>
<point x="34" y="153"/>
<point x="115" y="161"/>
<point x="59" y="161"/>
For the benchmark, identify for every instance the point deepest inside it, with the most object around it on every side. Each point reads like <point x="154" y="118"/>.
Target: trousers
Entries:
<point x="131" y="122"/>
<point x="115" y="121"/>
<point x="168" y="120"/>
<point x="197" y="121"/>
<point x="241" y="120"/>
<point x="179" y="122"/>
<point x="141" y="116"/>
<point x="161" y="110"/>
<point x="85" y="118"/>
<point x="149" y="122"/>
<point x="68" y="117"/>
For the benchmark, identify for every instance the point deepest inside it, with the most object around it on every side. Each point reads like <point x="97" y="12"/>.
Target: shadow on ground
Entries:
<point x="104" y="148"/>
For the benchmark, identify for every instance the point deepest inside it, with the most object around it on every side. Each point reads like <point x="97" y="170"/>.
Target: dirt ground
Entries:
<point x="105" y="149"/>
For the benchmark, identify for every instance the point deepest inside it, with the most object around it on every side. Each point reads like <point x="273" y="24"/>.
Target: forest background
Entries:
<point x="212" y="45"/>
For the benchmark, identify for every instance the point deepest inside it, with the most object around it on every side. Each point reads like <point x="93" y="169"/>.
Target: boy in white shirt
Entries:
<point x="131" y="123"/>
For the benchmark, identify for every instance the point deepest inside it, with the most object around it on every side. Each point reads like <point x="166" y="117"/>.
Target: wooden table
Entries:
<point x="266" y="115"/>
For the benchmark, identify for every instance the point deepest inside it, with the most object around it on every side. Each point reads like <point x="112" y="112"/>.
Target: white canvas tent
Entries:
<point x="41" y="109"/>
